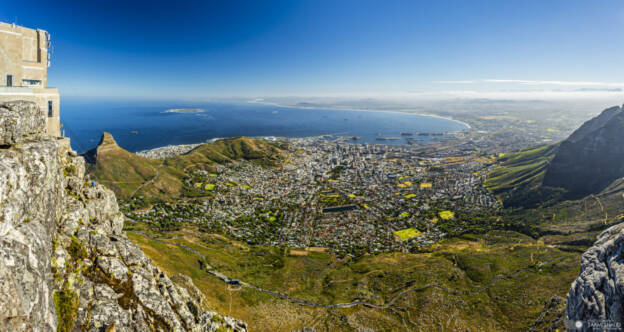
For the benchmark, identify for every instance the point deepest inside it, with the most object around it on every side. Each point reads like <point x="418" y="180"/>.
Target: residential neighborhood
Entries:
<point x="335" y="194"/>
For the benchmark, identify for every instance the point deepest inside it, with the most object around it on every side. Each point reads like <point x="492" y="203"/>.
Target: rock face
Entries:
<point x="107" y="143"/>
<point x="65" y="263"/>
<point x="19" y="121"/>
<point x="592" y="157"/>
<point x="597" y="295"/>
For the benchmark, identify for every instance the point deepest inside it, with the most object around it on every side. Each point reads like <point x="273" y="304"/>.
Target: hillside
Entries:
<point x="474" y="272"/>
<point x="131" y="175"/>
<point x="518" y="177"/>
<point x="567" y="193"/>
<point x="591" y="158"/>
<point x="119" y="169"/>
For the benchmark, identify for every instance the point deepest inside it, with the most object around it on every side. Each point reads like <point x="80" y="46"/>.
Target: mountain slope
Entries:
<point x="127" y="173"/>
<point x="591" y="158"/>
<point x="526" y="168"/>
<point x="119" y="169"/>
<point x="518" y="179"/>
<point x="586" y="163"/>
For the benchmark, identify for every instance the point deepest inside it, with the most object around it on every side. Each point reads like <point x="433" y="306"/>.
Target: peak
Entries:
<point x="591" y="158"/>
<point x="107" y="143"/>
<point x="596" y="123"/>
<point x="107" y="139"/>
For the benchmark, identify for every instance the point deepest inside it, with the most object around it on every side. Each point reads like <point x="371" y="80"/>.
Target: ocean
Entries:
<point x="141" y="125"/>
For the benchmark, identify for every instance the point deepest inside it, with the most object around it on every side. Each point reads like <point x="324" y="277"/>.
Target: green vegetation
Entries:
<point x="334" y="174"/>
<point x="463" y="263"/>
<point x="520" y="169"/>
<point x="77" y="250"/>
<point x="408" y="233"/>
<point x="518" y="178"/>
<point x="446" y="215"/>
<point x="329" y="197"/>
<point x="66" y="302"/>
<point x="69" y="170"/>
<point x="125" y="172"/>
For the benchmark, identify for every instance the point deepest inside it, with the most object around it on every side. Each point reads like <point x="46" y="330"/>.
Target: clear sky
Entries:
<point x="204" y="49"/>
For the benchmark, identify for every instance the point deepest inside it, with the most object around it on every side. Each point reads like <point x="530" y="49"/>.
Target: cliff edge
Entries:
<point x="65" y="263"/>
<point x="597" y="295"/>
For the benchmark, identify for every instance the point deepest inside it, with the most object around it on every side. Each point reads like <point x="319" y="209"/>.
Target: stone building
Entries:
<point x="24" y="62"/>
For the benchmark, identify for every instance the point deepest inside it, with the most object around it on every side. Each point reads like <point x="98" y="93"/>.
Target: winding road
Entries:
<point x="358" y="302"/>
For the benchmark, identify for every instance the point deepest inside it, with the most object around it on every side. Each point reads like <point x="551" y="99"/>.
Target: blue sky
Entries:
<point x="209" y="49"/>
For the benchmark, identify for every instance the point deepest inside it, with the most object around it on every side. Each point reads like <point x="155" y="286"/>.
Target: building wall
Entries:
<point x="24" y="56"/>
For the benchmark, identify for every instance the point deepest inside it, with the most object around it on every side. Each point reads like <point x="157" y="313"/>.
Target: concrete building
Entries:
<point x="24" y="61"/>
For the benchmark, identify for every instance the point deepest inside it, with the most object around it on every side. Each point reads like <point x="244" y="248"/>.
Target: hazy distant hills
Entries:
<point x="587" y="162"/>
<point x="128" y="173"/>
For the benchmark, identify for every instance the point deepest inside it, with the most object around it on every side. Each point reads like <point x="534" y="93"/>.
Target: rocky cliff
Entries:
<point x="65" y="263"/>
<point x="591" y="158"/>
<point x="596" y="298"/>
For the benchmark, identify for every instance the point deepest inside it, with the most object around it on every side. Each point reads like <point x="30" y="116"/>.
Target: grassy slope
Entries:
<point x="226" y="150"/>
<point x="461" y="263"/>
<point x="518" y="178"/>
<point x="124" y="172"/>
<point x="526" y="168"/>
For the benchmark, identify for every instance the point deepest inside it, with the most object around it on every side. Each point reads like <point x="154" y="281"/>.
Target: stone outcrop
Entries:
<point x="597" y="295"/>
<point x="591" y="158"/>
<point x="65" y="263"/>
<point x="19" y="121"/>
<point x="107" y="144"/>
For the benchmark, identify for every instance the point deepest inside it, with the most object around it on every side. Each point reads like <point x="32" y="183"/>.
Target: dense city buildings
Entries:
<point x="338" y="195"/>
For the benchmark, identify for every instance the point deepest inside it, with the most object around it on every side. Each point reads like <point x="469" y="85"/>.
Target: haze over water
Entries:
<point x="137" y="127"/>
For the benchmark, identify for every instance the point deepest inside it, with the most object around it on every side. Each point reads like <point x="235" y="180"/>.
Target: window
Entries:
<point x="31" y="82"/>
<point x="50" y="109"/>
<point x="9" y="80"/>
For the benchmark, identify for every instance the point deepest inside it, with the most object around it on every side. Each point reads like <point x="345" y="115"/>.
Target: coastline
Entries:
<point x="262" y="102"/>
<point x="174" y="150"/>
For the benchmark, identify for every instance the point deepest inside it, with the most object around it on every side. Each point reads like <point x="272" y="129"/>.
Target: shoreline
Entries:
<point x="171" y="150"/>
<point x="179" y="149"/>
<point x="352" y="109"/>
